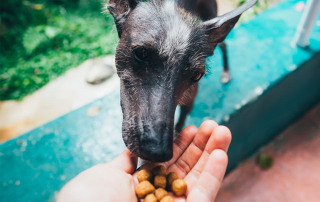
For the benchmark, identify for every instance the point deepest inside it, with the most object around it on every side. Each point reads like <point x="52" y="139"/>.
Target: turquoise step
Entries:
<point x="272" y="85"/>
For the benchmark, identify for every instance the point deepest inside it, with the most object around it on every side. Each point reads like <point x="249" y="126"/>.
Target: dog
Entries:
<point x="160" y="59"/>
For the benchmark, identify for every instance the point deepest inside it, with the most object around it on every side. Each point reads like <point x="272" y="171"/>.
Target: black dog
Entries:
<point x="160" y="59"/>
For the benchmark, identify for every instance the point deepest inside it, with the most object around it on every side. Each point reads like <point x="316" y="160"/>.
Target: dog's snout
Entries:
<point x="153" y="151"/>
<point x="148" y="122"/>
<point x="157" y="145"/>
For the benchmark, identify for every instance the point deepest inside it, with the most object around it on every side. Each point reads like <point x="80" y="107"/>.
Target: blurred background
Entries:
<point x="42" y="39"/>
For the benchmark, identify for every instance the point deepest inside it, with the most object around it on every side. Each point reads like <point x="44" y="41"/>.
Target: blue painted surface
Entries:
<point x="36" y="165"/>
<point x="260" y="55"/>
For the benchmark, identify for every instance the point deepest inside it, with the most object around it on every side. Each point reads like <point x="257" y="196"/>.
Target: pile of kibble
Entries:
<point x="162" y="183"/>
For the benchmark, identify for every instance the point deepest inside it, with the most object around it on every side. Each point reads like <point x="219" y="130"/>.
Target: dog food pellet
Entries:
<point x="150" y="198"/>
<point x="144" y="188"/>
<point x="159" y="170"/>
<point x="167" y="199"/>
<point x="160" y="193"/>
<point x="160" y="181"/>
<point x="170" y="178"/>
<point x="144" y="175"/>
<point x="179" y="187"/>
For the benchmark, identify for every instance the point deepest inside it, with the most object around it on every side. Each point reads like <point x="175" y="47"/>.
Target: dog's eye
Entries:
<point x="197" y="77"/>
<point x="140" y="53"/>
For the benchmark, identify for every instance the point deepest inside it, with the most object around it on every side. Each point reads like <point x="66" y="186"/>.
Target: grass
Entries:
<point x="44" y="51"/>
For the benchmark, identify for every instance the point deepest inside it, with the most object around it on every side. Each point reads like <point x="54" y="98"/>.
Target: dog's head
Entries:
<point x="160" y="57"/>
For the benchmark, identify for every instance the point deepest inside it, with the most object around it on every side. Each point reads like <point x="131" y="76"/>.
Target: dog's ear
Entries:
<point x="120" y="10"/>
<point x="218" y="28"/>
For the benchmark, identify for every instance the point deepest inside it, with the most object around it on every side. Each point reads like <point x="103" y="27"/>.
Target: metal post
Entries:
<point x="306" y="23"/>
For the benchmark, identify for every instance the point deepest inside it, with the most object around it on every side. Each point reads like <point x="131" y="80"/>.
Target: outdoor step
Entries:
<point x="272" y="85"/>
<point x="272" y="82"/>
<point x="294" y="174"/>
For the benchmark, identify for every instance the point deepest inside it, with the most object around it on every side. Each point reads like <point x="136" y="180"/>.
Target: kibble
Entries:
<point x="144" y="175"/>
<point x="160" y="181"/>
<point x="179" y="187"/>
<point x="170" y="178"/>
<point x="159" y="170"/>
<point x="144" y="188"/>
<point x="160" y="193"/>
<point x="150" y="198"/>
<point x="167" y="199"/>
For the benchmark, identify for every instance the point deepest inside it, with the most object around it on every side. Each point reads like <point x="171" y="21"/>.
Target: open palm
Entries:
<point x="199" y="157"/>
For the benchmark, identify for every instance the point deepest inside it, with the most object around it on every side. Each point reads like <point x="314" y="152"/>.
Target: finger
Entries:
<point x="210" y="179"/>
<point x="190" y="157"/>
<point x="220" y="139"/>
<point x="181" y="143"/>
<point x="126" y="161"/>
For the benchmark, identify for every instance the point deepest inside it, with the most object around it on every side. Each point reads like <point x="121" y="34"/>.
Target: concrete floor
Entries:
<point x="294" y="175"/>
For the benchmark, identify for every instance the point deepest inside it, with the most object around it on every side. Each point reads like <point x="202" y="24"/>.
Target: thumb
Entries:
<point x="126" y="161"/>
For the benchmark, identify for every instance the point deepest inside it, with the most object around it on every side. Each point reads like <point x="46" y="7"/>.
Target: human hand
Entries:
<point x="199" y="157"/>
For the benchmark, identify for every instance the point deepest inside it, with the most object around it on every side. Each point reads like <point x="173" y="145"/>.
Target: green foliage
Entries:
<point x="256" y="9"/>
<point x="32" y="38"/>
<point x="34" y="51"/>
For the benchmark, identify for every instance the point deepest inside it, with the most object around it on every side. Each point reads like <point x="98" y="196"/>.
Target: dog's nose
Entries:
<point x="157" y="146"/>
<point x="156" y="153"/>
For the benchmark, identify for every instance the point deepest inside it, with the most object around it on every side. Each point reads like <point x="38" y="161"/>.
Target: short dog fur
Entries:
<point x="160" y="58"/>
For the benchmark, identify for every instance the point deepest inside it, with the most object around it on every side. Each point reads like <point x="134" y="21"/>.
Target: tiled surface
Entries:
<point x="294" y="175"/>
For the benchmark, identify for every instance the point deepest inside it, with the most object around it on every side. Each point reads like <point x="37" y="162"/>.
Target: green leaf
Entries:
<point x="32" y="38"/>
<point x="51" y="32"/>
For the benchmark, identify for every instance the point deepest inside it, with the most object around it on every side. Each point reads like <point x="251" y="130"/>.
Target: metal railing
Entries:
<point x="306" y="23"/>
